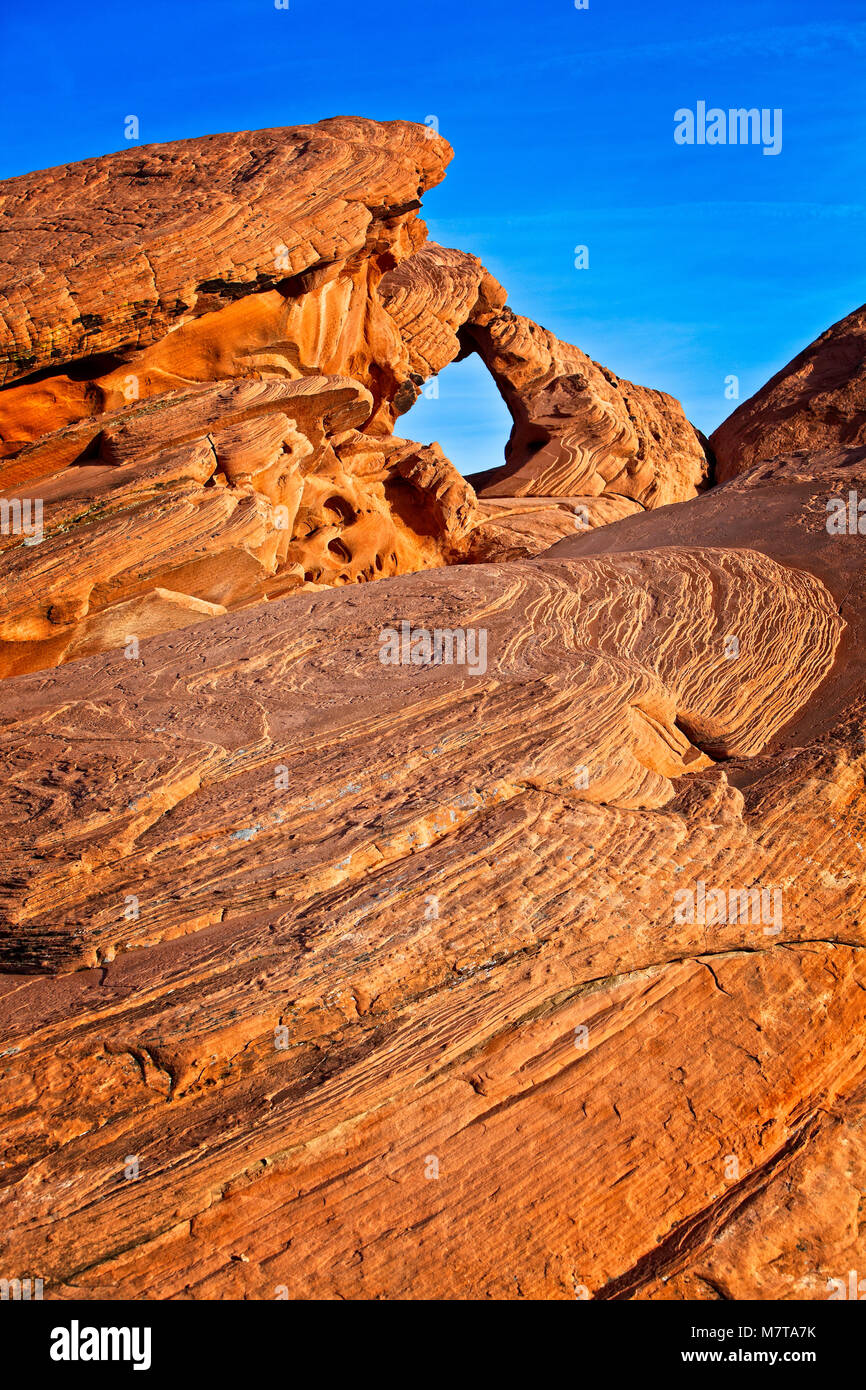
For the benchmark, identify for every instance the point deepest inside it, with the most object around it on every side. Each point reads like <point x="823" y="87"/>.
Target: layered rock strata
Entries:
<point x="205" y="349"/>
<point x="283" y="891"/>
<point x="579" y="429"/>
<point x="489" y="931"/>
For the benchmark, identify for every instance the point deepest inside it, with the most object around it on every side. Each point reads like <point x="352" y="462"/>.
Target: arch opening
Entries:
<point x="462" y="410"/>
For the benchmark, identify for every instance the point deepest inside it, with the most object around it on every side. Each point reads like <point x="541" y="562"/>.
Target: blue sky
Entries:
<point x="704" y="262"/>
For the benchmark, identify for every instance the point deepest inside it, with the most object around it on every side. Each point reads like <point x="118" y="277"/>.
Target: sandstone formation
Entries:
<point x="223" y="494"/>
<point x="516" y="528"/>
<point x="205" y="351"/>
<point x="280" y="233"/>
<point x="779" y="509"/>
<point x="146" y="284"/>
<point x="491" y="930"/>
<point x="577" y="427"/>
<point x="817" y="401"/>
<point x="432" y="913"/>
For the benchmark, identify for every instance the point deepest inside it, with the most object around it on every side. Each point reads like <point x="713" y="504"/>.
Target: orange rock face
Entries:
<point x="249" y="258"/>
<point x="294" y="259"/>
<point x="578" y="429"/>
<point x="156" y="239"/>
<point x="817" y="401"/>
<point x="225" y="494"/>
<point x="492" y="930"/>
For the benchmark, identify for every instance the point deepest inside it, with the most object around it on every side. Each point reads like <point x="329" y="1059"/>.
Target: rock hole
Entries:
<point x="338" y="547"/>
<point x="463" y="411"/>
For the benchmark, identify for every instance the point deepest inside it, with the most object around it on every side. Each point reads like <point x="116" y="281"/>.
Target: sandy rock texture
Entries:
<point x="577" y="427"/>
<point x="205" y="348"/>
<point x="491" y="930"/>
<point x="113" y="254"/>
<point x="150" y="290"/>
<point x="395" y="936"/>
<point x="817" y="401"/>
<point x="223" y="494"/>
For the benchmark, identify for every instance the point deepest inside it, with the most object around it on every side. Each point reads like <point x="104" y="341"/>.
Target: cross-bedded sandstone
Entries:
<point x="204" y="362"/>
<point x="492" y="930"/>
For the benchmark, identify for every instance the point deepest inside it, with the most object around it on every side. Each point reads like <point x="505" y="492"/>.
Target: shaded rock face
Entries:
<point x="149" y="285"/>
<point x="817" y="401"/>
<point x="491" y="930"/>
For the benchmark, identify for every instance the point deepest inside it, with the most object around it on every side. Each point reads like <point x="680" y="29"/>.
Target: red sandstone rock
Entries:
<point x="778" y="509"/>
<point x="224" y="494"/>
<point x="433" y="915"/>
<point x="816" y="402"/>
<point x="516" y="528"/>
<point x="134" y="244"/>
<point x="399" y="979"/>
<point x="201" y="390"/>
<point x="577" y="427"/>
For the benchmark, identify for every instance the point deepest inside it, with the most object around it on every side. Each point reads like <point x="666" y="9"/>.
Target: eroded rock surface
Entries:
<point x="516" y="528"/>
<point x="251" y="243"/>
<point x="202" y="381"/>
<point x="492" y="930"/>
<point x="407" y="914"/>
<point x="779" y="509"/>
<point x="578" y="429"/>
<point x="630" y="654"/>
<point x="150" y="290"/>
<point x="224" y="494"/>
<point x="817" y="401"/>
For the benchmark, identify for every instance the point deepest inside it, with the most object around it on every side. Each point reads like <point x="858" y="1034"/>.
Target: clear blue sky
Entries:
<point x="704" y="261"/>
